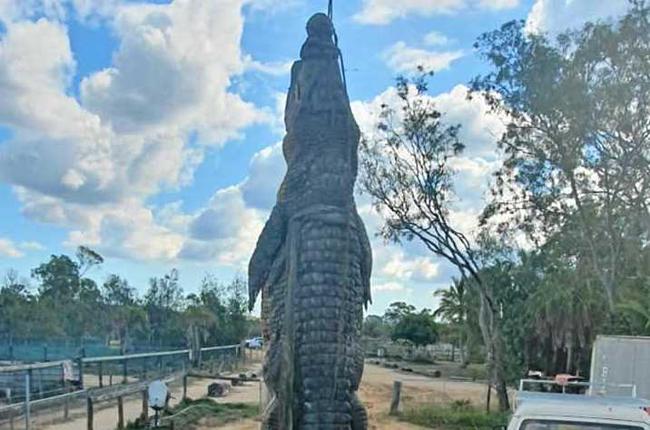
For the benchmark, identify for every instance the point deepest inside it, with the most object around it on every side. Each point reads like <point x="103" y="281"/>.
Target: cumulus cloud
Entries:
<point x="161" y="75"/>
<point x="556" y="16"/>
<point x="12" y="10"/>
<point x="417" y="269"/>
<point x="266" y="171"/>
<point x="273" y="68"/>
<point x="226" y="230"/>
<point x="31" y="246"/>
<point x="498" y="4"/>
<point x="381" y="12"/>
<point x="273" y="6"/>
<point x="403" y="58"/>
<point x="139" y="127"/>
<point x="384" y="11"/>
<point x="392" y="287"/>
<point x="435" y="38"/>
<point x="9" y="249"/>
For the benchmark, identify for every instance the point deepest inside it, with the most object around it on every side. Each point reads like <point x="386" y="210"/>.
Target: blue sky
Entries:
<point x="149" y="130"/>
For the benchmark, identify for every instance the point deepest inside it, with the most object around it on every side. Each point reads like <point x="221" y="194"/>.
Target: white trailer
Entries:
<point x="620" y="364"/>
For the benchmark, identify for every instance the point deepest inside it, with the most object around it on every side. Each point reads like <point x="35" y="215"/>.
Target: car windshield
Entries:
<point x="563" y="425"/>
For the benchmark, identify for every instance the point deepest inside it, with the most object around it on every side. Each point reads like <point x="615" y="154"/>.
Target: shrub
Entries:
<point x="459" y="415"/>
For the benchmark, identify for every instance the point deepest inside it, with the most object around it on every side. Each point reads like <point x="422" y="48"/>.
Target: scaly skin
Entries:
<point x="312" y="262"/>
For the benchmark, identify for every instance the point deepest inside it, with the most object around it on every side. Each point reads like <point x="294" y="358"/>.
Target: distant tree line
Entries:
<point x="61" y="303"/>
<point x="402" y="322"/>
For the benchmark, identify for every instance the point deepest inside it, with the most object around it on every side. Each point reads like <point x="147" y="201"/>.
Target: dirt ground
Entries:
<point x="375" y="393"/>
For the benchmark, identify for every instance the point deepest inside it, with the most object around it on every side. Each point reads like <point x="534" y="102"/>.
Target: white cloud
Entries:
<point x="90" y="165"/>
<point x="556" y="16"/>
<point x="403" y="58"/>
<point x="273" y="69"/>
<point x="273" y="6"/>
<point x="382" y="12"/>
<point x="498" y="4"/>
<point x="435" y="38"/>
<point x="390" y="287"/>
<point x="13" y="10"/>
<point x="417" y="269"/>
<point x="174" y="66"/>
<point x="266" y="171"/>
<point x="31" y="246"/>
<point x="226" y="230"/>
<point x="9" y="249"/>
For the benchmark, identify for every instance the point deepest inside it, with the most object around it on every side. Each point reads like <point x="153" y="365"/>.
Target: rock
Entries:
<point x="218" y="389"/>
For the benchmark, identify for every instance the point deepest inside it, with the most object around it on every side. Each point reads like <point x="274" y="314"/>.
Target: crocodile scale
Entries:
<point x="313" y="259"/>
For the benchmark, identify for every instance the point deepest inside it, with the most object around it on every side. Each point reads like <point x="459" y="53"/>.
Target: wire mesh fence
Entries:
<point x="44" y="393"/>
<point x="107" y="371"/>
<point x="38" y="351"/>
<point x="221" y="358"/>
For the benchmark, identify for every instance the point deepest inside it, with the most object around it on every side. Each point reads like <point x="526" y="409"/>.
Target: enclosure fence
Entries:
<point x="32" y="395"/>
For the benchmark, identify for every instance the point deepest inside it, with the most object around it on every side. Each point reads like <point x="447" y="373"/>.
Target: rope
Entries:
<point x="330" y="14"/>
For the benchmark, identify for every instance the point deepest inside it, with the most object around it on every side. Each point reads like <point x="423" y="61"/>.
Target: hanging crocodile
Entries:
<point x="313" y="259"/>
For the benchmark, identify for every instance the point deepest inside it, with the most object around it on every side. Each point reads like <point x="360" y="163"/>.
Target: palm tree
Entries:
<point x="454" y="308"/>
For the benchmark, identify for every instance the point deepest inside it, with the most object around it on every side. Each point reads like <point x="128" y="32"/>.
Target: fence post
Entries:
<point x="40" y="383"/>
<point x="11" y="413"/>
<point x="28" y="388"/>
<point x="100" y="370"/>
<point x="125" y="371"/>
<point x="145" y="405"/>
<point x="45" y="353"/>
<point x="489" y="397"/>
<point x="89" y="413"/>
<point x="65" y="391"/>
<point x="66" y="409"/>
<point x="394" y="403"/>
<point x="80" y="365"/>
<point x="241" y="352"/>
<point x="120" y="413"/>
<point x="185" y="386"/>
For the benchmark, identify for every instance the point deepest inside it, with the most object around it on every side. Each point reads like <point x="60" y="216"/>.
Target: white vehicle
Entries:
<point x="254" y="343"/>
<point x="556" y="411"/>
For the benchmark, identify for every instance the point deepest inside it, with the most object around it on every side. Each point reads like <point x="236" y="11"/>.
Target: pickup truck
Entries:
<point x="550" y="411"/>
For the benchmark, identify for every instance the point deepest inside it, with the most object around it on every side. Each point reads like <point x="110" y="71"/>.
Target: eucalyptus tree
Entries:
<point x="577" y="146"/>
<point x="407" y="171"/>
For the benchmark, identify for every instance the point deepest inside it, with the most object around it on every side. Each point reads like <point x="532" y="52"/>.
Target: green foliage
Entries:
<point x="575" y="181"/>
<point x="406" y="324"/>
<point x="69" y="306"/>
<point x="397" y="311"/>
<point x="459" y="308"/>
<point x="458" y="415"/>
<point x="577" y="142"/>
<point x="374" y="326"/>
<point x="189" y="412"/>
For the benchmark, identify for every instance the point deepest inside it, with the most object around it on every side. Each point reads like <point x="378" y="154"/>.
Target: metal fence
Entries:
<point x="42" y="393"/>
<point x="39" y="351"/>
